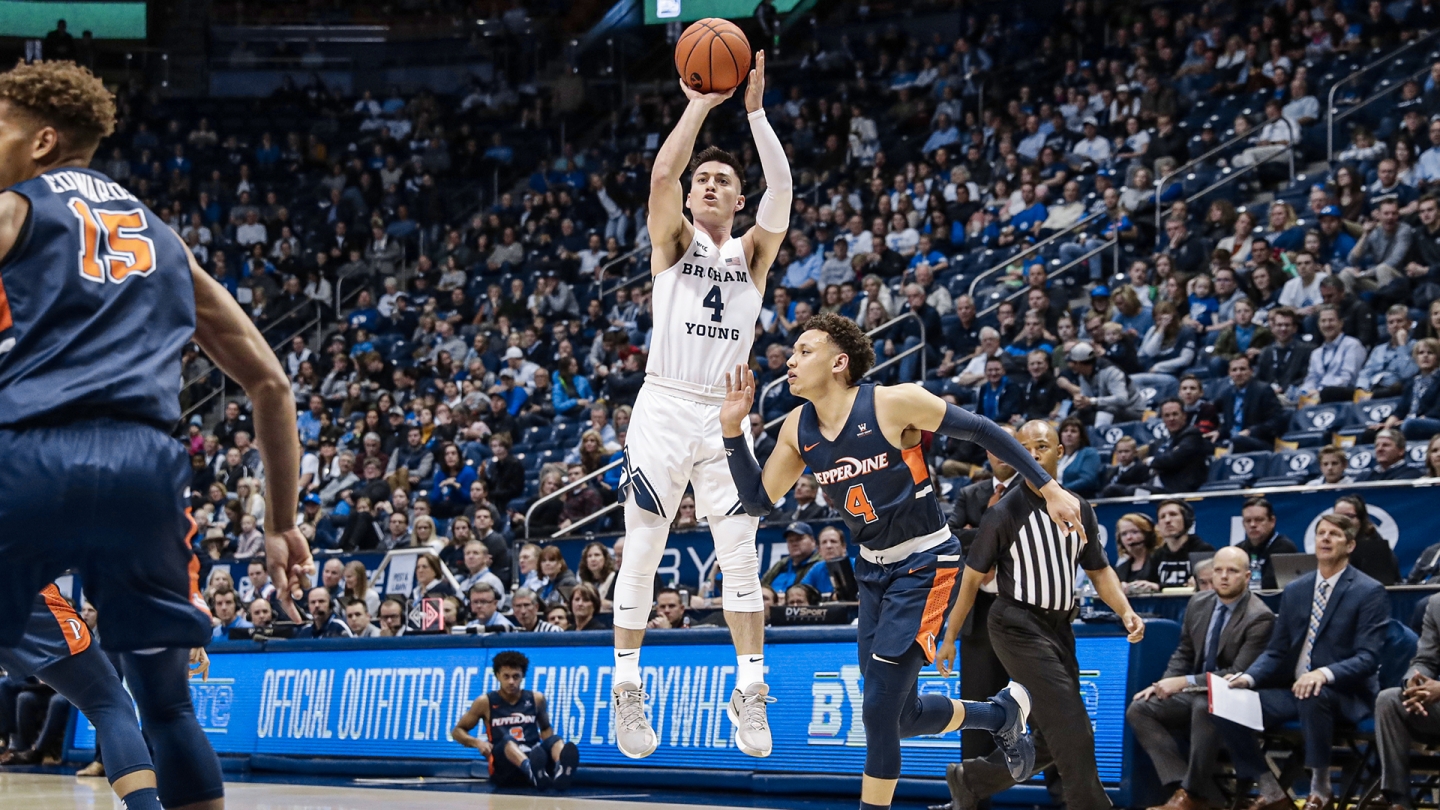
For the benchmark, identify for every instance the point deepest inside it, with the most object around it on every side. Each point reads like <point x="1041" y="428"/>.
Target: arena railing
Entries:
<point x="1074" y="228"/>
<point x="1078" y="261"/>
<point x="1192" y="163"/>
<point x="1331" y="117"/>
<point x="561" y="492"/>
<point x="773" y="384"/>
<point x="625" y="282"/>
<point x="1232" y="174"/>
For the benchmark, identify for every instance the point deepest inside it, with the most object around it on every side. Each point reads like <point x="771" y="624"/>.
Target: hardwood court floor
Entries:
<point x="34" y="791"/>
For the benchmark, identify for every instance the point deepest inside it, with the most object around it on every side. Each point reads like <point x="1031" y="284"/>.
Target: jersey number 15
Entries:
<point x="113" y="246"/>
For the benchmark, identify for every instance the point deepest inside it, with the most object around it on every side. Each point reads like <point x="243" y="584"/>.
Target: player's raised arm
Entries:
<point x="758" y="489"/>
<point x="670" y="232"/>
<point x="925" y="411"/>
<point x="238" y="349"/>
<point x="773" y="214"/>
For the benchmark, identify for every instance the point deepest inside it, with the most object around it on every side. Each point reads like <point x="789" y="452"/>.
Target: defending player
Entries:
<point x="97" y="299"/>
<point x="862" y="443"/>
<point x="57" y="650"/>
<point x="524" y="751"/>
<point x="707" y="297"/>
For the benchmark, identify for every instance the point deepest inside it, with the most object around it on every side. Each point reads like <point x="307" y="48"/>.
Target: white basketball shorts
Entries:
<point x="673" y="441"/>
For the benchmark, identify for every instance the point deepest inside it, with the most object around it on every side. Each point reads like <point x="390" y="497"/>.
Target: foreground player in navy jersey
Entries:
<point x="97" y="299"/>
<point x="863" y="444"/>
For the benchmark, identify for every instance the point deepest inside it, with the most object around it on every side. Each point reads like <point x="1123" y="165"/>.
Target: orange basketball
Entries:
<point x="713" y="56"/>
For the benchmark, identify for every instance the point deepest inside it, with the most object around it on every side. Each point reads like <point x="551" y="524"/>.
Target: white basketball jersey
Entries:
<point x="705" y="307"/>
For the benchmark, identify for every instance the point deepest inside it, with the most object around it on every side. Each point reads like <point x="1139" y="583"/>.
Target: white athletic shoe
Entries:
<point x="633" y="733"/>
<point x="752" y="724"/>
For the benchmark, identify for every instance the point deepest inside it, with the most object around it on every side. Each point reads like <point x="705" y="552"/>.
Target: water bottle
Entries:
<point x="1256" y="578"/>
<point x="1086" y="590"/>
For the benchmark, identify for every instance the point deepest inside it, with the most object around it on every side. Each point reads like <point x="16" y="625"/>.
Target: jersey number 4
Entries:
<point x="857" y="503"/>
<point x="714" y="303"/>
<point x="113" y="246"/>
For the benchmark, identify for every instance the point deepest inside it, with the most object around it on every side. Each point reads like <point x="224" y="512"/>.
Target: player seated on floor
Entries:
<point x="524" y="751"/>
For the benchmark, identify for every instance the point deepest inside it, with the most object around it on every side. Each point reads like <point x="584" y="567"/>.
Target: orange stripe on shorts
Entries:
<point x="935" y="609"/>
<point x="197" y="597"/>
<point x="72" y="627"/>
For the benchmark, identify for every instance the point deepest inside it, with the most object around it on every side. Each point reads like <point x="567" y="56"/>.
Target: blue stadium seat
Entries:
<point x="1311" y="426"/>
<point x="1215" y="387"/>
<point x="1415" y="455"/>
<point x="1236" y="471"/>
<point x="537" y="435"/>
<point x="477" y="452"/>
<point x="1369" y="412"/>
<point x="1156" y="387"/>
<point x="1291" y="467"/>
<point x="1361" y="457"/>
<point x="531" y="461"/>
<point x="1104" y="439"/>
<point x="1153" y="431"/>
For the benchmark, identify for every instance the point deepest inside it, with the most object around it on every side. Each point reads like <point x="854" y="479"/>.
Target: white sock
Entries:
<point x="627" y="666"/>
<point x="749" y="669"/>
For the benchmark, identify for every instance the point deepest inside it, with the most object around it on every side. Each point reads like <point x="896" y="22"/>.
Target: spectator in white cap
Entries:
<point x="1101" y="392"/>
<point x="524" y="369"/>
<point x="1093" y="147"/>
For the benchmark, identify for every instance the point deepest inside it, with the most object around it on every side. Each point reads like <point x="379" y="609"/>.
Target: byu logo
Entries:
<point x="1149" y="393"/>
<point x="1114" y="435"/>
<point x="1322" y="419"/>
<point x="1300" y="462"/>
<point x="1361" y="459"/>
<point x="1242" y="466"/>
<point x="1381" y="412"/>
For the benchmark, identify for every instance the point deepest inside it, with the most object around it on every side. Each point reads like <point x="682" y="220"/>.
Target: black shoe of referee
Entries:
<point x="960" y="796"/>
<point x="1012" y="738"/>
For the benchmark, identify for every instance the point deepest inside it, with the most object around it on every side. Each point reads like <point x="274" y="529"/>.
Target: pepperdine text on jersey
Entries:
<point x="851" y="467"/>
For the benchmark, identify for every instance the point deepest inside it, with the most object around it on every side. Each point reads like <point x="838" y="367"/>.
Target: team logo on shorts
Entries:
<point x="634" y="484"/>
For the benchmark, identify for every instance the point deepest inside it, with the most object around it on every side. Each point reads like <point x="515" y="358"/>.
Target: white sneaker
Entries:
<point x="633" y="733"/>
<point x="752" y="723"/>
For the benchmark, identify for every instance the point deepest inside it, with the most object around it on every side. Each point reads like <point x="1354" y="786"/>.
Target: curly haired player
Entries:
<point x="863" y="444"/>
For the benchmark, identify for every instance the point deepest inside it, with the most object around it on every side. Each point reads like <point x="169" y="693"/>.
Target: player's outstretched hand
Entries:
<point x="739" y="397"/>
<point x="711" y="100"/>
<point x="291" y="568"/>
<point x="1064" y="508"/>
<point x="755" y="86"/>
<point x="945" y="658"/>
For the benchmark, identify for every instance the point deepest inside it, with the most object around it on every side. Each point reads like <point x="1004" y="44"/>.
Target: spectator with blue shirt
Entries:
<point x="927" y="255"/>
<point x="1032" y="216"/>
<point x="365" y="316"/>
<point x="308" y="422"/>
<point x="944" y="134"/>
<point x="1390" y="363"/>
<point x="225" y="613"/>
<point x="802" y="277"/>
<point x="802" y="566"/>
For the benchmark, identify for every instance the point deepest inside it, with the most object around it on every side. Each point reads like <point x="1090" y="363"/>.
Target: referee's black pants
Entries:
<point x="1038" y="649"/>
<point x="981" y="673"/>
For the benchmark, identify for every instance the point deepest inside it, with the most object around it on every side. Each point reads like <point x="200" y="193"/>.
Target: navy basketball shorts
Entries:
<point x="906" y="602"/>
<point x="504" y="773"/>
<point x="54" y="632"/>
<point x="105" y="497"/>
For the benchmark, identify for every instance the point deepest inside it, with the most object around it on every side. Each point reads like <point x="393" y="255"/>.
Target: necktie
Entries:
<point x="1317" y="612"/>
<point x="1212" y="645"/>
<point x="995" y="496"/>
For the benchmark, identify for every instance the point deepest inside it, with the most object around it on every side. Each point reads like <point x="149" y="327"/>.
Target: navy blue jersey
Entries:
<point x="884" y="493"/>
<point x="96" y="303"/>
<point x="518" y="722"/>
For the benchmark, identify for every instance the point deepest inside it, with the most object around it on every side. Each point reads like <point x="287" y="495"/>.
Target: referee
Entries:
<point x="1029" y="625"/>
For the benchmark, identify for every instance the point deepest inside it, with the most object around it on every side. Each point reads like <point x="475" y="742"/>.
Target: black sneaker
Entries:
<point x="960" y="796"/>
<point x="564" y="771"/>
<point x="1012" y="738"/>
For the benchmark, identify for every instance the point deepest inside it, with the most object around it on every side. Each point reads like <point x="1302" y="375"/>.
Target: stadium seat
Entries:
<point x="1104" y="439"/>
<point x="1291" y="467"/>
<point x="1367" y="413"/>
<point x="1415" y="455"/>
<point x="1360" y="458"/>
<point x="1236" y="471"/>
<point x="1156" y="387"/>
<point x="1311" y="426"/>
<point x="1153" y="431"/>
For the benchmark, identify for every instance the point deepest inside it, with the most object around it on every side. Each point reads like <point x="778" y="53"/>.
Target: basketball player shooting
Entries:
<point x="708" y="286"/>
<point x="863" y="444"/>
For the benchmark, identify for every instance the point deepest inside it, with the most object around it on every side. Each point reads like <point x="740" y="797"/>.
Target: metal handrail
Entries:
<point x="1330" y="135"/>
<point x="567" y="488"/>
<point x="600" y="271"/>
<point x="1192" y="163"/>
<point x="1033" y="249"/>
<point x="1289" y="151"/>
<point x="1330" y="100"/>
<point x="764" y="392"/>
<point x="1083" y="257"/>
<point x="1238" y="173"/>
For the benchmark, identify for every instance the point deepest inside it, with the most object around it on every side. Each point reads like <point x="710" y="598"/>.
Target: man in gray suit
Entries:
<point x="1225" y="630"/>
<point x="1404" y="713"/>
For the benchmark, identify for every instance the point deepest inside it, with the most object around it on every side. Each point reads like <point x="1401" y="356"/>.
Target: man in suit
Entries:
<point x="1250" y="414"/>
<point x="1390" y="461"/>
<point x="1403" y="713"/>
<point x="1179" y="462"/>
<point x="1257" y="517"/>
<point x="1225" y="630"/>
<point x="1284" y="363"/>
<point x="1320" y="666"/>
<point x="980" y="669"/>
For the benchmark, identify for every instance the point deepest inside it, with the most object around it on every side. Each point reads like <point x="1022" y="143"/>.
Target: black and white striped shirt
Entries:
<point x="1035" y="559"/>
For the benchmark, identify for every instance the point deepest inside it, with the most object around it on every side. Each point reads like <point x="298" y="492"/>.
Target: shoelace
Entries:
<point x="752" y="710"/>
<point x="630" y="709"/>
